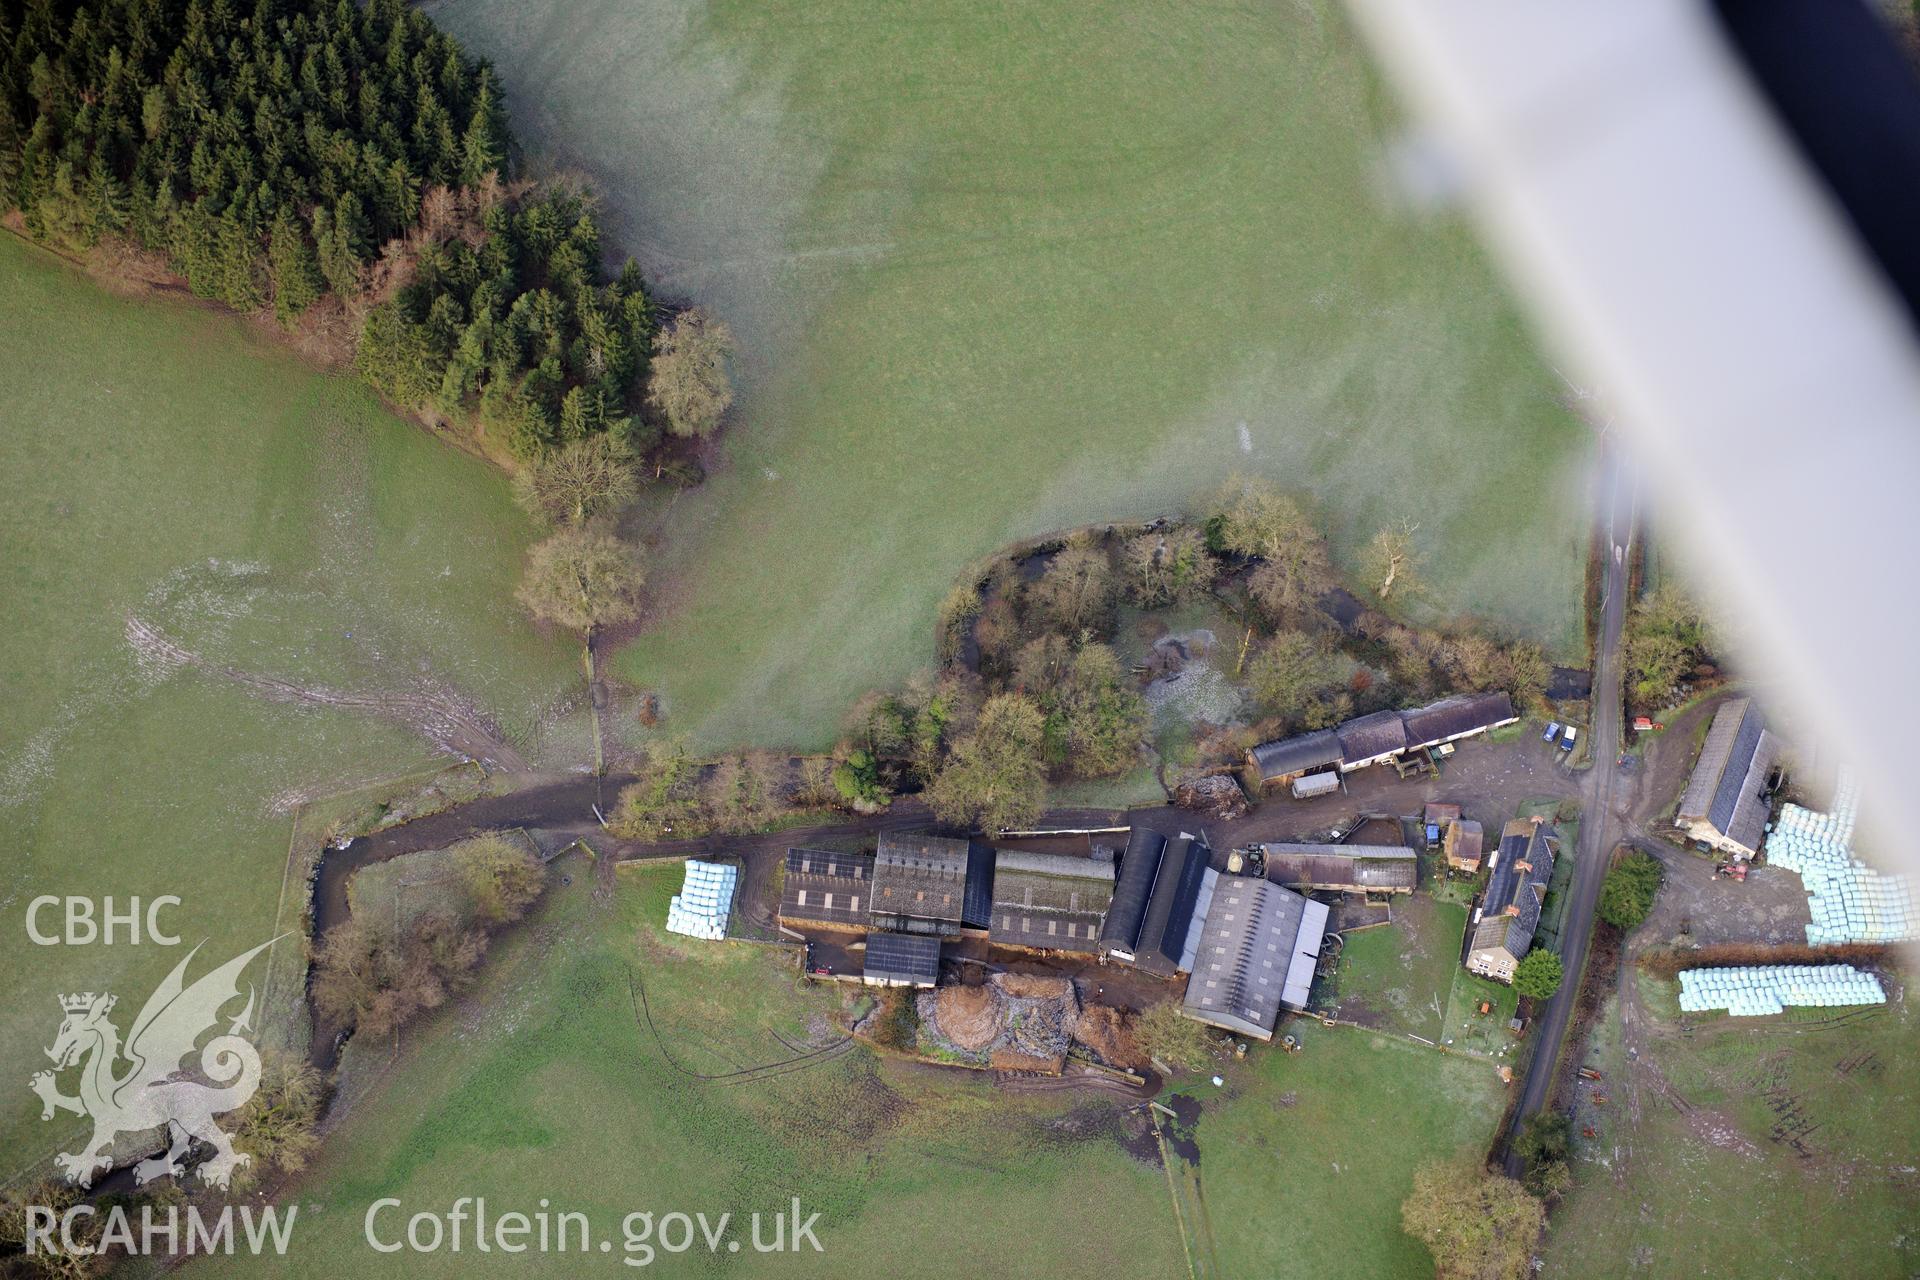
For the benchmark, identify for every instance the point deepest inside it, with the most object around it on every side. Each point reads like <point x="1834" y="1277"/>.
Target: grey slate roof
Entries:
<point x="903" y="957"/>
<point x="1354" y="868"/>
<point x="1724" y="789"/>
<point x="828" y="887"/>
<point x="1450" y="717"/>
<point x="1049" y="901"/>
<point x="1256" y="954"/>
<point x="1510" y="912"/>
<point x="1303" y="751"/>
<point x="1371" y="736"/>
<point x="920" y="882"/>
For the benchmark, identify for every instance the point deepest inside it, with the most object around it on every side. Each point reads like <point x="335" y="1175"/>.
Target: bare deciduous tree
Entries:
<point x="1393" y="560"/>
<point x="688" y="384"/>
<point x="582" y="578"/>
<point x="589" y="477"/>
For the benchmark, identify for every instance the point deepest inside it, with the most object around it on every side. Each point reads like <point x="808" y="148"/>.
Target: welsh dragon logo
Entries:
<point x="149" y="1092"/>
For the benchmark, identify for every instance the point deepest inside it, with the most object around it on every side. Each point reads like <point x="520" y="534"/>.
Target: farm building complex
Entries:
<point x="1345" y="868"/>
<point x="1725" y="804"/>
<point x="1510" y="912"/>
<point x="1378" y="738"/>
<point x="1256" y="954"/>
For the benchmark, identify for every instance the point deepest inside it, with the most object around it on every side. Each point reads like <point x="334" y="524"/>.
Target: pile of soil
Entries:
<point x="969" y="1018"/>
<point x="1104" y="1032"/>
<point x="1014" y="1060"/>
<point x="1034" y="986"/>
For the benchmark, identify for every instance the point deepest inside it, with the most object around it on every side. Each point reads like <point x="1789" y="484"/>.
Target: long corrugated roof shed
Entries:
<point x="1257" y="953"/>
<point x="1170" y="911"/>
<point x="827" y="887"/>
<point x="1303" y="751"/>
<point x="1724" y="789"/>
<point x="1457" y="716"/>
<point x="920" y="879"/>
<point x="1139" y="866"/>
<point x="1372" y="736"/>
<point x="1050" y="901"/>
<point x="912" y="958"/>
<point x="1354" y="868"/>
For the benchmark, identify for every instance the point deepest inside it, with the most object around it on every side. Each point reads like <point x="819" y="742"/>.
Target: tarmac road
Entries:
<point x="1600" y="824"/>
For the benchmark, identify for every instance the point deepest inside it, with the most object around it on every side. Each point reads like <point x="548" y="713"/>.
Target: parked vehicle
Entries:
<point x="1553" y="731"/>
<point x="1566" y="739"/>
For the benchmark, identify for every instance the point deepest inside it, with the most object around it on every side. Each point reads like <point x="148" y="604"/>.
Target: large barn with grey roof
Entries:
<point x="1725" y="805"/>
<point x="1345" y="868"/>
<point x="1256" y="955"/>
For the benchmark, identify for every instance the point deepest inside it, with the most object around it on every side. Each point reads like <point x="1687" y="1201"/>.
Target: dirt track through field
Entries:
<point x="445" y="719"/>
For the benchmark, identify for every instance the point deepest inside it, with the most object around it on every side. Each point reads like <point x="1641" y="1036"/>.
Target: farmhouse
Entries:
<point x="1049" y="902"/>
<point x="1723" y="805"/>
<point x="901" y="960"/>
<point x="1346" y="868"/>
<point x="1163" y="888"/>
<point x="1510" y="913"/>
<point x="1256" y="954"/>
<point x="1463" y="845"/>
<point x="1376" y="738"/>
<point x="930" y="884"/>
<point x="824" y="889"/>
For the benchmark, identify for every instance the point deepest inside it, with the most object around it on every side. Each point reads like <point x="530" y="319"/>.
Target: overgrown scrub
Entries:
<point x="1667" y="962"/>
<point x="1626" y="896"/>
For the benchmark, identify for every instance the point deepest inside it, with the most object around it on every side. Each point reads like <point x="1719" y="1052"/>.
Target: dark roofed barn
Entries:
<point x="1163" y="887"/>
<point x="822" y="887"/>
<point x="1348" y="868"/>
<point x="1722" y="805"/>
<point x="1371" y="739"/>
<point x="1139" y="866"/>
<point x="1048" y="901"/>
<point x="1457" y="717"/>
<point x="1257" y="953"/>
<point x="1283" y="760"/>
<point x="901" y="960"/>
<point x="920" y="883"/>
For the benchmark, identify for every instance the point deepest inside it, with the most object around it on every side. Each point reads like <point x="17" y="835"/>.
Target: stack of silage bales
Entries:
<point x="1755" y="990"/>
<point x="1849" y="901"/>
<point x="700" y="909"/>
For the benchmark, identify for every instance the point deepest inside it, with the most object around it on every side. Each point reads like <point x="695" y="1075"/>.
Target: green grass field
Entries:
<point x="545" y="1084"/>
<point x="1305" y="1162"/>
<point x="164" y="464"/>
<point x="1007" y="267"/>
<point x="1720" y="1190"/>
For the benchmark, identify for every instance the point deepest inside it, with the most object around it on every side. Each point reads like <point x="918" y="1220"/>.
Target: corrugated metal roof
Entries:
<point x="1372" y="736"/>
<point x="1257" y="953"/>
<point x="1355" y="867"/>
<point x="1139" y="867"/>
<point x="1283" y="756"/>
<point x="1049" y="901"/>
<point x="826" y="886"/>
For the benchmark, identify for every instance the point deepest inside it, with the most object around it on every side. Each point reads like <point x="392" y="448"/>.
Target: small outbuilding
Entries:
<point x="1463" y="845"/>
<point x="1344" y="868"/>
<point x="902" y="960"/>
